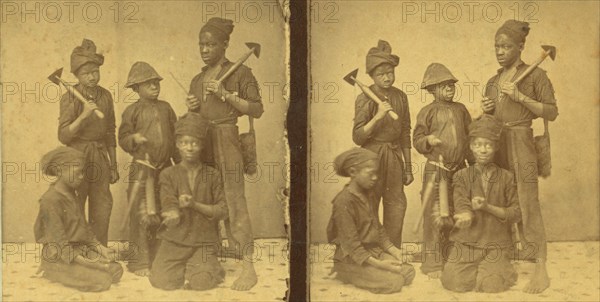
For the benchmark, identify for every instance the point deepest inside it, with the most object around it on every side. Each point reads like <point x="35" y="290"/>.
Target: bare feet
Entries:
<point x="434" y="275"/>
<point x="539" y="281"/>
<point x="142" y="272"/>
<point x="247" y="278"/>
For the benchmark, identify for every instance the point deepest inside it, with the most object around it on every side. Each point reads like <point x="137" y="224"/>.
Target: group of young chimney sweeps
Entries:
<point x="477" y="179"/>
<point x="196" y="162"/>
<point x="473" y="164"/>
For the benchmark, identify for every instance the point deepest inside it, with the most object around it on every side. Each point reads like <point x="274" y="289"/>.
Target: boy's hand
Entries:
<point x="488" y="105"/>
<point x="88" y="108"/>
<point x="462" y="220"/>
<point x="139" y="139"/>
<point x="479" y="203"/>
<point x="392" y="266"/>
<point x="171" y="218"/>
<point x="215" y="87"/>
<point x="433" y="141"/>
<point x="185" y="200"/>
<point x="107" y="255"/>
<point x="192" y="102"/>
<point x="382" y="110"/>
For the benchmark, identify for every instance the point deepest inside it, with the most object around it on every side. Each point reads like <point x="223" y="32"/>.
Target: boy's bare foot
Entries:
<point x="539" y="281"/>
<point x="142" y="272"/>
<point x="435" y="275"/>
<point x="247" y="278"/>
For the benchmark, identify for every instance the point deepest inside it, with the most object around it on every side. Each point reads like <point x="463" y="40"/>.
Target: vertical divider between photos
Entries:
<point x="297" y="125"/>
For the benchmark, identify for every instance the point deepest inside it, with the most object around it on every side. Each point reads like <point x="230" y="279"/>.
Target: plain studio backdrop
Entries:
<point x="162" y="33"/>
<point x="342" y="33"/>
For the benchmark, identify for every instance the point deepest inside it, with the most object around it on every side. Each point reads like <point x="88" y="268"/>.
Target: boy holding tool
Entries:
<point x="79" y="128"/>
<point x="441" y="132"/>
<point x="193" y="202"/>
<point x="147" y="132"/>
<point x="516" y="104"/>
<point x="71" y="253"/>
<point x="375" y="130"/>
<point x="364" y="255"/>
<point x="222" y="101"/>
<point x="486" y="205"/>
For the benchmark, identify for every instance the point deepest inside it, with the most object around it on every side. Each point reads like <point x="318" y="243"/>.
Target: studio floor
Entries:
<point x="573" y="267"/>
<point x="20" y="282"/>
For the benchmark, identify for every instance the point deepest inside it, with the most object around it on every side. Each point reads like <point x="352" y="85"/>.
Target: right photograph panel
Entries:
<point x="454" y="151"/>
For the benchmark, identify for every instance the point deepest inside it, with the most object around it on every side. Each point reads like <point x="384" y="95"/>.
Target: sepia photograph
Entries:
<point x="454" y="151"/>
<point x="144" y="150"/>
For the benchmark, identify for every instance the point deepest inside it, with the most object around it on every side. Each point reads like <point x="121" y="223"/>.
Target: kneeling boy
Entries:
<point x="72" y="255"/>
<point x="193" y="202"/>
<point x="364" y="255"/>
<point x="486" y="205"/>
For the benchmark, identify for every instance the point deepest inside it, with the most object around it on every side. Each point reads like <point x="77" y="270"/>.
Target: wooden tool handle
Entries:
<point x="376" y="99"/>
<point x="81" y="98"/>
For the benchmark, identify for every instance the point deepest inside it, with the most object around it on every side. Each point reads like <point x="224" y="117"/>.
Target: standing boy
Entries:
<point x="71" y="253"/>
<point x="147" y="132"/>
<point x="486" y="206"/>
<point x="222" y="103"/>
<point x="516" y="106"/>
<point x="364" y="255"/>
<point x="441" y="130"/>
<point x="94" y="136"/>
<point x="193" y="202"/>
<point x="389" y="138"/>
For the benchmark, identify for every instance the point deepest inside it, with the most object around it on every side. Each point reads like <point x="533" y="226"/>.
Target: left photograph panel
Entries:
<point x="144" y="150"/>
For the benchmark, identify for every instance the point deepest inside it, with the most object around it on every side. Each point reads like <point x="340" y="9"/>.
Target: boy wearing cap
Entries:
<point x="364" y="255"/>
<point x="71" y="253"/>
<point x="390" y="139"/>
<point x="147" y="132"/>
<point x="222" y="104"/>
<point x="486" y="206"/>
<point x="95" y="137"/>
<point x="193" y="202"/>
<point x="516" y="106"/>
<point x="441" y="131"/>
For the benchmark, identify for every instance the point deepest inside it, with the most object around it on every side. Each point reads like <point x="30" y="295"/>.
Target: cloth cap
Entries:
<point x="380" y="55"/>
<point x="437" y="73"/>
<point x="222" y="26"/>
<point x="86" y="53"/>
<point x="192" y="124"/>
<point x="486" y="126"/>
<point x="141" y="72"/>
<point x="53" y="161"/>
<point x="516" y="30"/>
<point x="351" y="158"/>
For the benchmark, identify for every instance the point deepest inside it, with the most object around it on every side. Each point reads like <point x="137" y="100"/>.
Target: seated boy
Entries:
<point x="71" y="254"/>
<point x="486" y="205"/>
<point x="193" y="202"/>
<point x="364" y="255"/>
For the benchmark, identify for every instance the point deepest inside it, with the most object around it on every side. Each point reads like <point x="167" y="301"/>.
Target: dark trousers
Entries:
<point x="517" y="154"/>
<point x="374" y="279"/>
<point x="483" y="270"/>
<point x="389" y="189"/>
<point x="175" y="263"/>
<point x="227" y="155"/>
<point x="81" y="277"/>
<point x="95" y="188"/>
